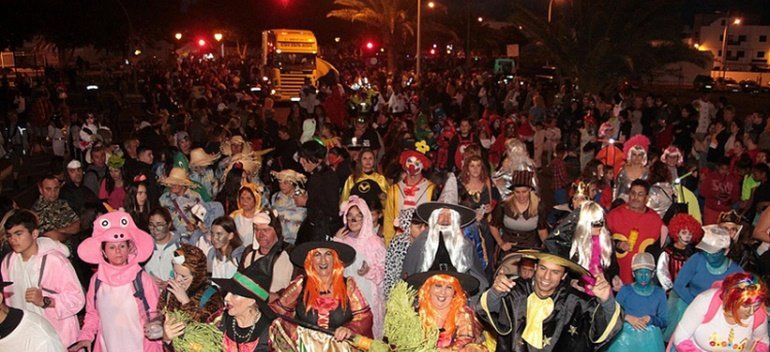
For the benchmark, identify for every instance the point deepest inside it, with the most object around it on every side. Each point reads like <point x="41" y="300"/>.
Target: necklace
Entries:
<point x="247" y="337"/>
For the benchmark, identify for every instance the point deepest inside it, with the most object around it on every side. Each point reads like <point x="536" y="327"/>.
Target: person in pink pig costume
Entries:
<point x="117" y="245"/>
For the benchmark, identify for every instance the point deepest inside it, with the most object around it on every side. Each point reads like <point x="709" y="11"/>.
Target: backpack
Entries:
<point x="138" y="291"/>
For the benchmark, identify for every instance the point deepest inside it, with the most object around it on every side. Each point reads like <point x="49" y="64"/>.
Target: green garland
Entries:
<point x="197" y="337"/>
<point x="403" y="328"/>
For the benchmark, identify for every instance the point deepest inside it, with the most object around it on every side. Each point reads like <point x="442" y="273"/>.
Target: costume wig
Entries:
<point x="314" y="286"/>
<point x="428" y="313"/>
<point x="454" y="239"/>
<point x="741" y="289"/>
<point x="582" y="242"/>
<point x="683" y="221"/>
<point x="638" y="143"/>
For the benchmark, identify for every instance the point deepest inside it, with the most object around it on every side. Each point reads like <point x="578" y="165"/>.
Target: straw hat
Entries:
<point x="289" y="175"/>
<point x="199" y="157"/>
<point x="226" y="146"/>
<point x="177" y="177"/>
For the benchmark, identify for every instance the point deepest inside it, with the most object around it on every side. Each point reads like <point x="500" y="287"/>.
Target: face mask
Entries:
<point x="413" y="166"/>
<point x="715" y="259"/>
<point x="643" y="277"/>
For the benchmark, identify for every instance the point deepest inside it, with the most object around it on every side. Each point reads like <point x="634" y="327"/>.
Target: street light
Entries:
<point x="201" y="42"/>
<point x="736" y="21"/>
<point x="218" y="37"/>
<point x="431" y="4"/>
<point x="178" y="36"/>
<point x="481" y="19"/>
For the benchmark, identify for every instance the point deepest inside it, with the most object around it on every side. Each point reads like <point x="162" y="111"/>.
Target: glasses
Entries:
<point x="158" y="226"/>
<point x="599" y="223"/>
<point x="355" y="218"/>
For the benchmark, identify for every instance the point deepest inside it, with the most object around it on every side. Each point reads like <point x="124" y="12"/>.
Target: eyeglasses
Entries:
<point x="158" y="226"/>
<point x="599" y="223"/>
<point x="355" y="218"/>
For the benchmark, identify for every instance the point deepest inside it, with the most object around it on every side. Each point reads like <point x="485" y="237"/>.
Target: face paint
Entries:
<point x="715" y="259"/>
<point x="685" y="236"/>
<point x="413" y="166"/>
<point x="642" y="277"/>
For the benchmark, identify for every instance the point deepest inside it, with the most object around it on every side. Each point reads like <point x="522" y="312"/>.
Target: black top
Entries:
<point x="12" y="320"/>
<point x="337" y="317"/>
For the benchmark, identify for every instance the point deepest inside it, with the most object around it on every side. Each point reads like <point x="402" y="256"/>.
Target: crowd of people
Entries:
<point x="499" y="214"/>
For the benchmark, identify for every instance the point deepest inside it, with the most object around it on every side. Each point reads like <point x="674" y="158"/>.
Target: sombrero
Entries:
<point x="467" y="215"/>
<point x="469" y="283"/>
<point x="345" y="252"/>
<point x="199" y="157"/>
<point x="556" y="259"/>
<point x="177" y="177"/>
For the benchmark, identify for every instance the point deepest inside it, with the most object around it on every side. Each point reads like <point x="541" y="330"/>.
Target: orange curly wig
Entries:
<point x="428" y="314"/>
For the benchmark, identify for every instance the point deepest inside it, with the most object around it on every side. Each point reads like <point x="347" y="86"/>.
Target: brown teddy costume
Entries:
<point x="200" y="288"/>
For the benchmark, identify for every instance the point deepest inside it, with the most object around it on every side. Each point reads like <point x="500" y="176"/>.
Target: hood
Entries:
<point x="46" y="245"/>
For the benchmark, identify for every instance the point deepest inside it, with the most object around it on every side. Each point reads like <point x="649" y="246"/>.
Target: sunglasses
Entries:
<point x="599" y="223"/>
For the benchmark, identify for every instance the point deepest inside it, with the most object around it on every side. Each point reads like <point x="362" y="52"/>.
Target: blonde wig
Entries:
<point x="590" y="212"/>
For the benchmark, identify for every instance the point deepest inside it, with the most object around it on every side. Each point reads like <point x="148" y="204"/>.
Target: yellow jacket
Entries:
<point x="392" y="208"/>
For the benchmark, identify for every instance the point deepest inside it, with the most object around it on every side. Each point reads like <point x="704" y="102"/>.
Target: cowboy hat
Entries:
<point x="199" y="157"/>
<point x="115" y="226"/>
<point x="469" y="283"/>
<point x="467" y="215"/>
<point x="177" y="177"/>
<point x="345" y="252"/>
<point x="513" y="259"/>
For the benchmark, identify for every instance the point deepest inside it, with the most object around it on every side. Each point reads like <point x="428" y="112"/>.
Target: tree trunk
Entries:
<point x="390" y="51"/>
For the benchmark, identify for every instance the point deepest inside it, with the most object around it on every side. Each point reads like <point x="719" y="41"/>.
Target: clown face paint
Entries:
<point x="413" y="166"/>
<point x="643" y="277"/>
<point x="685" y="237"/>
<point x="715" y="259"/>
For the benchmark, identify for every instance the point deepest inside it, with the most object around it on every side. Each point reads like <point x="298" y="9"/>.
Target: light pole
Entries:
<point x="417" y="55"/>
<point x="736" y="22"/>
<point x="218" y="38"/>
<point x="550" y="10"/>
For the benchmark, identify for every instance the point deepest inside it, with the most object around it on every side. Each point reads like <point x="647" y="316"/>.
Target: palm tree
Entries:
<point x="601" y="42"/>
<point x="391" y="18"/>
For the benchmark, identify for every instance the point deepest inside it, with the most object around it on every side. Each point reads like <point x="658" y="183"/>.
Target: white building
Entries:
<point x="748" y="46"/>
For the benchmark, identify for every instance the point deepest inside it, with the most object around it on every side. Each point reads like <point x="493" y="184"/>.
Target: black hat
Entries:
<point x="467" y="215"/>
<point x="250" y="282"/>
<point x="345" y="252"/>
<point x="368" y="190"/>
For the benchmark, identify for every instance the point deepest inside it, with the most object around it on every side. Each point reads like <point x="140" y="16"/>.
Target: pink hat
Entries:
<point x="115" y="226"/>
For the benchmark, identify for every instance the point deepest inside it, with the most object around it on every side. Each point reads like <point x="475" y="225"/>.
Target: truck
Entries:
<point x="290" y="61"/>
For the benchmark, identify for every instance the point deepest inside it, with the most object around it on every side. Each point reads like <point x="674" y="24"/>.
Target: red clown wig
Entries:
<point x="683" y="221"/>
<point x="741" y="289"/>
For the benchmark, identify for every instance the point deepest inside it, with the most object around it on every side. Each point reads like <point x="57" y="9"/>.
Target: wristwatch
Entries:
<point x="47" y="301"/>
